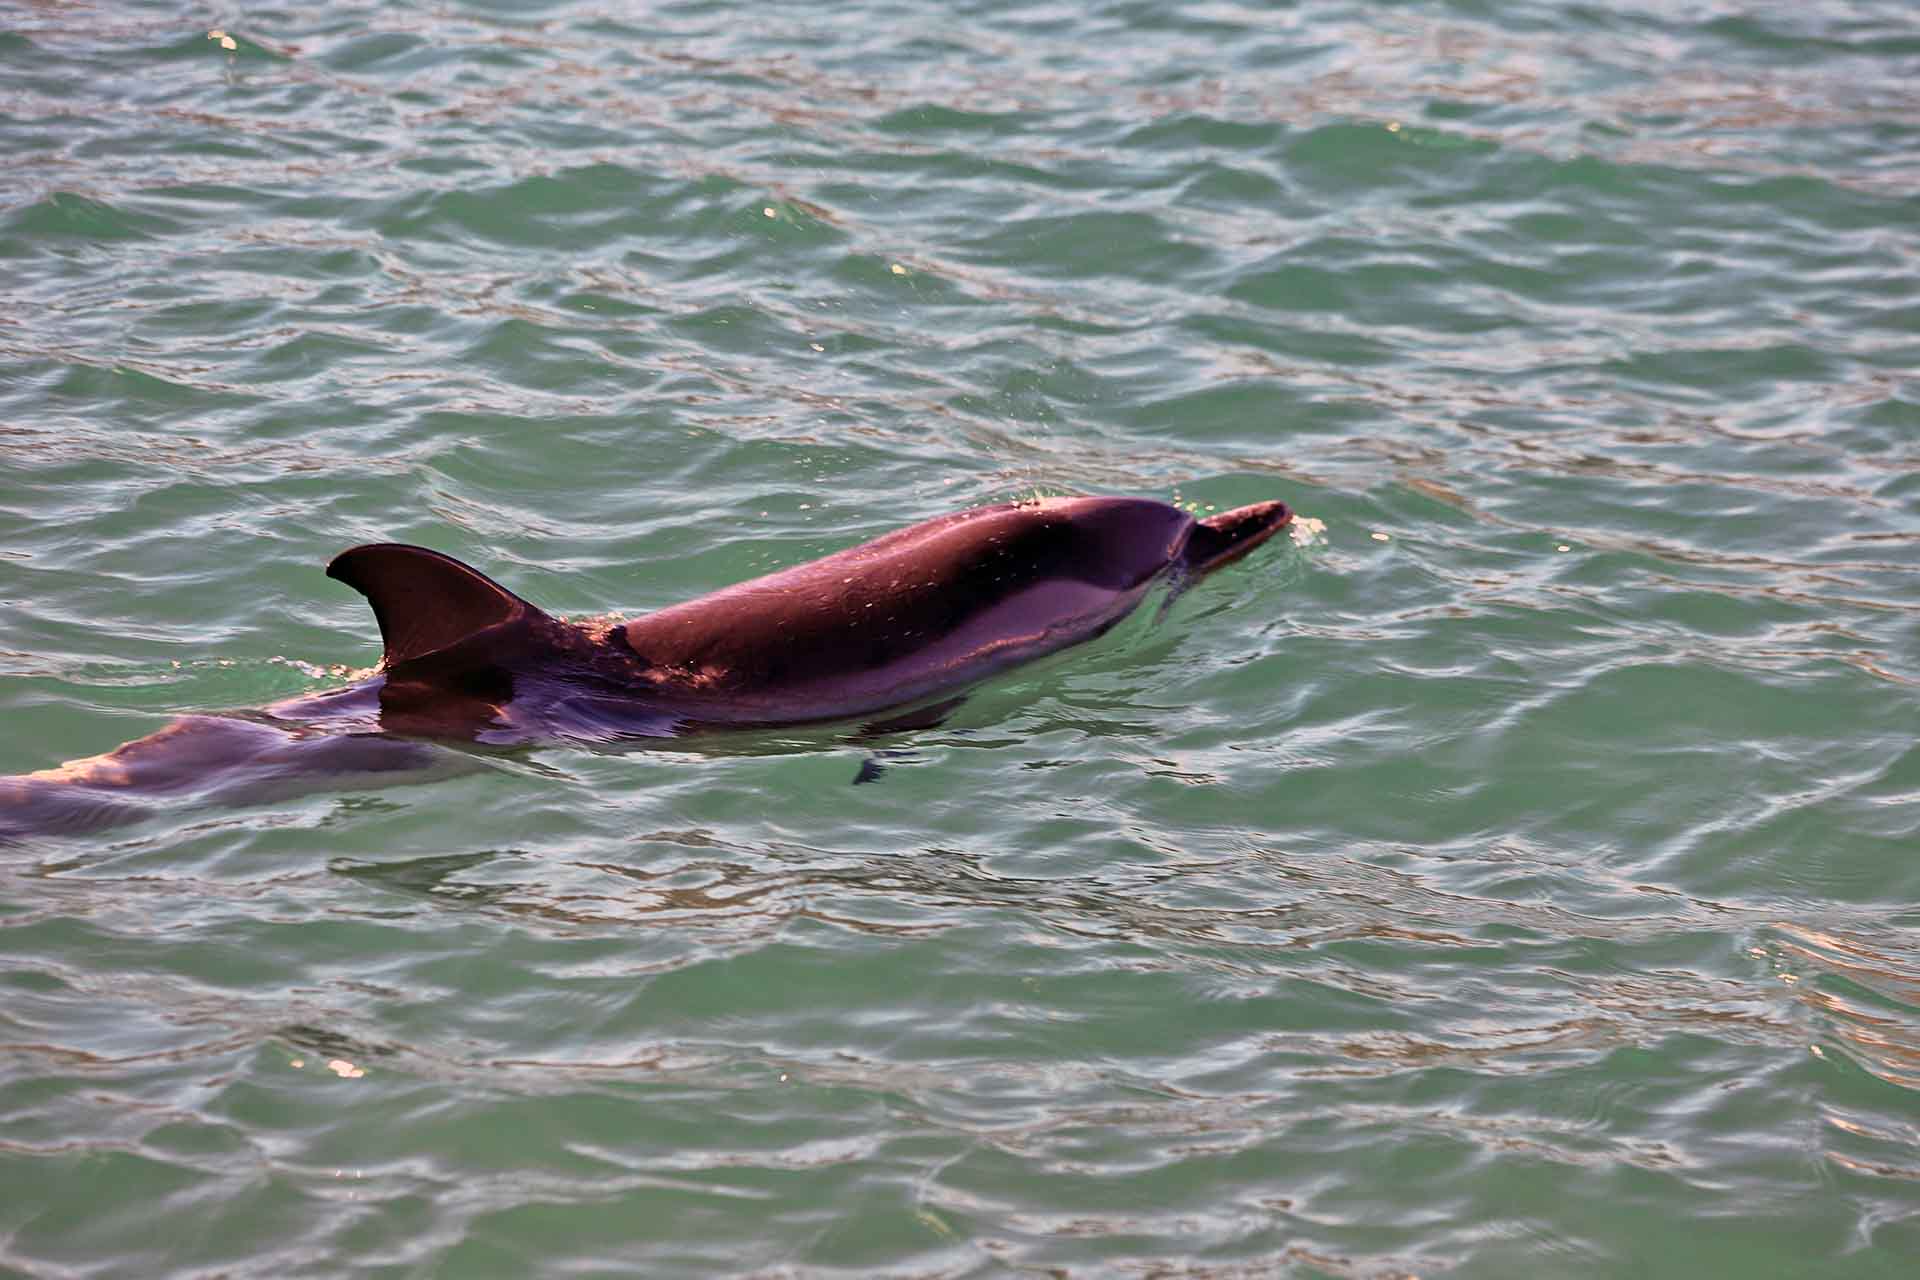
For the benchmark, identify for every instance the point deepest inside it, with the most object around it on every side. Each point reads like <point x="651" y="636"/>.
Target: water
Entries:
<point x="1520" y="883"/>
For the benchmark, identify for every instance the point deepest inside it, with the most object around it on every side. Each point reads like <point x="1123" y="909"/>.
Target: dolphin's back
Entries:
<point x="926" y="607"/>
<point x="923" y="610"/>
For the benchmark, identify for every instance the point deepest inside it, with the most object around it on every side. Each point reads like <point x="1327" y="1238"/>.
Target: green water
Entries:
<point x="1522" y="882"/>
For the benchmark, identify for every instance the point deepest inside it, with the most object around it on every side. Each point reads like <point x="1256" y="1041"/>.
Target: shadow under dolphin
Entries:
<point x="899" y="625"/>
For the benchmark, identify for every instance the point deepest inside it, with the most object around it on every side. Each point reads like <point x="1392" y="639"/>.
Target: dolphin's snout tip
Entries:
<point x="1273" y="513"/>
<point x="1220" y="539"/>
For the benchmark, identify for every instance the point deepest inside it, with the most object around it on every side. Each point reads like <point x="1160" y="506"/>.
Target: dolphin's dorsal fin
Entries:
<point x="425" y="601"/>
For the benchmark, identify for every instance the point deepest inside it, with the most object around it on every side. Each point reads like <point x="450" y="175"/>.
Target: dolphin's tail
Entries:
<point x="202" y="757"/>
<point x="1226" y="537"/>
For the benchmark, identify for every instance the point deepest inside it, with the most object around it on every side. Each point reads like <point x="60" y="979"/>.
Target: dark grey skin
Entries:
<point x="911" y="617"/>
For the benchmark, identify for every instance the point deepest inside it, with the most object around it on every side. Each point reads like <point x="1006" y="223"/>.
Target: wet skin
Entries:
<point x="911" y="616"/>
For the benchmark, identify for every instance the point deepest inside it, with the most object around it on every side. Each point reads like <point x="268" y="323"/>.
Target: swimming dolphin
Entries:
<point x="909" y="617"/>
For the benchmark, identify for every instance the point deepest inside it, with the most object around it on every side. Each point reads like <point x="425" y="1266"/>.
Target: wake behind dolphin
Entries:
<point x="915" y="615"/>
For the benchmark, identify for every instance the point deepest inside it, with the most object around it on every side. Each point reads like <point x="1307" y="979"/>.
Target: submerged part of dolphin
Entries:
<point x="919" y="613"/>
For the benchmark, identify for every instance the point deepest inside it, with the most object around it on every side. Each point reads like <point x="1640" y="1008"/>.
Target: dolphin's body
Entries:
<point x="920" y="613"/>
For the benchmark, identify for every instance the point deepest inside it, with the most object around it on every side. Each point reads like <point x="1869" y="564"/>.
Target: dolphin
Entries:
<point x="911" y="617"/>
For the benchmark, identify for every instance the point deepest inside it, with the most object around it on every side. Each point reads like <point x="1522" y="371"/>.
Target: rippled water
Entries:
<point x="1521" y="883"/>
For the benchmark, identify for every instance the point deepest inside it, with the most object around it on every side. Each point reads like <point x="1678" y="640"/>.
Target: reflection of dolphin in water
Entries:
<point x="906" y="618"/>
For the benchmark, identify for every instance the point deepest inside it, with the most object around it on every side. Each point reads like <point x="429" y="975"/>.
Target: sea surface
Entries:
<point x="1519" y="879"/>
